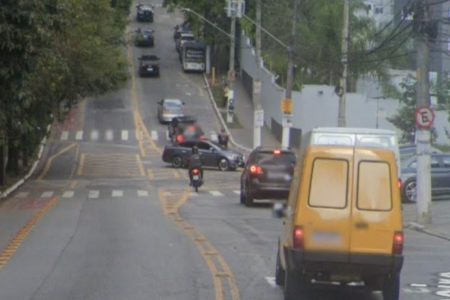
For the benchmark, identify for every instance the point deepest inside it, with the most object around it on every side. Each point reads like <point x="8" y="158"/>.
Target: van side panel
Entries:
<point x="376" y="204"/>
<point x="324" y="206"/>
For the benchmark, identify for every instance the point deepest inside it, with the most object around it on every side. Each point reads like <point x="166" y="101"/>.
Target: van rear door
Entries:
<point x="376" y="211"/>
<point x="325" y="215"/>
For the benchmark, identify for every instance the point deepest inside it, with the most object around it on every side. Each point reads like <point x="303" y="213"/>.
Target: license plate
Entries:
<point x="149" y="69"/>
<point x="327" y="238"/>
<point x="196" y="177"/>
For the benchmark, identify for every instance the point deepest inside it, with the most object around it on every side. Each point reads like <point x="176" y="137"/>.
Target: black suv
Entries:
<point x="144" y="13"/>
<point x="144" y="38"/>
<point x="267" y="175"/>
<point x="148" y="65"/>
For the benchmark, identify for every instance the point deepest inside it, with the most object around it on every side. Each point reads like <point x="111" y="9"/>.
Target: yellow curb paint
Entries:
<point x="50" y="160"/>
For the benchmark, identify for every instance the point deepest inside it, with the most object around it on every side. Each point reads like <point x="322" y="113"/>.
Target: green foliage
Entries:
<point x="54" y="51"/>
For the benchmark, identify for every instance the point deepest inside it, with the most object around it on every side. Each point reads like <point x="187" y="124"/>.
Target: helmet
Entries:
<point x="195" y="150"/>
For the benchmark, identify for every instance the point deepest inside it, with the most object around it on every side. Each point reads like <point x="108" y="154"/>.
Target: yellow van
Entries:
<point x="343" y="220"/>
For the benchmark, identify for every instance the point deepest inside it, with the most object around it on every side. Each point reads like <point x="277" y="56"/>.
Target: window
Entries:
<point x="434" y="162"/>
<point x="204" y="146"/>
<point x="328" y="186"/>
<point x="379" y="10"/>
<point x="374" y="186"/>
<point x="446" y="161"/>
<point x="188" y="144"/>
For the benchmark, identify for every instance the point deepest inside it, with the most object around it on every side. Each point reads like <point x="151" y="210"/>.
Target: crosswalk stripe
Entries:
<point x="117" y="193"/>
<point x="47" y="194"/>
<point x="64" y="136"/>
<point x="109" y="135"/>
<point x="124" y="135"/>
<point x="216" y="193"/>
<point x="94" y="135"/>
<point x="154" y="135"/>
<point x="79" y="135"/>
<point x="167" y="135"/>
<point x="68" y="194"/>
<point x="142" y="193"/>
<point x="22" y="194"/>
<point x="237" y="192"/>
<point x="93" y="194"/>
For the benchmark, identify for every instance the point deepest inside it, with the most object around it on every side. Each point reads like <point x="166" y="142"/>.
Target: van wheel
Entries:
<point x="391" y="287"/>
<point x="410" y="190"/>
<point x="280" y="273"/>
<point x="242" y="196"/>
<point x="177" y="162"/>
<point x="294" y="285"/>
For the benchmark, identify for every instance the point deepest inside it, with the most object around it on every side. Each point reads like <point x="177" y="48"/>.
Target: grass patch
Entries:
<point x="443" y="148"/>
<point x="217" y="92"/>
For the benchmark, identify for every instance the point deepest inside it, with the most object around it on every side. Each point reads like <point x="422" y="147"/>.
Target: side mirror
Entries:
<point x="279" y="210"/>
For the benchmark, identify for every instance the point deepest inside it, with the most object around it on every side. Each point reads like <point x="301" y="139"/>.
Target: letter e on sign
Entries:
<point x="424" y="117"/>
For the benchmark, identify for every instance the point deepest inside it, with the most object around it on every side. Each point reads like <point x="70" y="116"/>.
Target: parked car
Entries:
<point x="440" y="177"/>
<point x="178" y="29"/>
<point x="212" y="155"/>
<point x="183" y="38"/>
<point x="144" y="38"/>
<point x="144" y="13"/>
<point x="267" y="175"/>
<point x="169" y="109"/>
<point x="149" y="65"/>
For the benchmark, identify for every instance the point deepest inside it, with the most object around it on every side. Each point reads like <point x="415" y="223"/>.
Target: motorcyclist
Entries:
<point x="195" y="162"/>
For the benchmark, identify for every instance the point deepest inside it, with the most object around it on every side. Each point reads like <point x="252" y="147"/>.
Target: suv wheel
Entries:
<point x="410" y="190"/>
<point x="248" y="198"/>
<point x="177" y="162"/>
<point x="391" y="287"/>
<point x="280" y="273"/>
<point x="223" y="164"/>
<point x="242" y="195"/>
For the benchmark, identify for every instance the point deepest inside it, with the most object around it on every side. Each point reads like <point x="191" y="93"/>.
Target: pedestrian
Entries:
<point x="223" y="138"/>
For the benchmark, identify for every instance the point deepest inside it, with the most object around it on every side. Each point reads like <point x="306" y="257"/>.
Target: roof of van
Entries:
<point x="355" y="130"/>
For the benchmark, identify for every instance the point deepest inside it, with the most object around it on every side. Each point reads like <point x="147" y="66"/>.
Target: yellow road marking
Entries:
<point x="50" y="160"/>
<point x="17" y="241"/>
<point x="141" y="165"/>
<point x="81" y="165"/>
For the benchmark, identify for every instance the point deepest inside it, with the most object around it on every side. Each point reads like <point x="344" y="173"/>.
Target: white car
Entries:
<point x="169" y="109"/>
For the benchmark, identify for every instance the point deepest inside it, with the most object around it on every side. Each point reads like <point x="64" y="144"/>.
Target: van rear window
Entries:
<point x="328" y="188"/>
<point x="374" y="186"/>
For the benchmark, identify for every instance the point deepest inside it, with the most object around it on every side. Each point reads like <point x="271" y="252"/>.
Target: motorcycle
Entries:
<point x="196" y="178"/>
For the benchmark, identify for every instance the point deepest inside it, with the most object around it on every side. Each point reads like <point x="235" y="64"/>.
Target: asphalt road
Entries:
<point x="104" y="218"/>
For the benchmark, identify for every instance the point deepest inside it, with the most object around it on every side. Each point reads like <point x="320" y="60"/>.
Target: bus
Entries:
<point x="193" y="56"/>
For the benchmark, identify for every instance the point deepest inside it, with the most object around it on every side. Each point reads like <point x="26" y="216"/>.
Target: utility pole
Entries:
<point x="287" y="102"/>
<point x="258" y="113"/>
<point x="342" y="91"/>
<point x="231" y="75"/>
<point x="423" y="177"/>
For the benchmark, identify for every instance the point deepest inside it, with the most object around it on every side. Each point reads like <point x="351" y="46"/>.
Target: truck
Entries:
<point x="193" y="56"/>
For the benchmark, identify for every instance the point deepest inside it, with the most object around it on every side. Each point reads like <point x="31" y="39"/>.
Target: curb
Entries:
<point x="222" y="121"/>
<point x="32" y="169"/>
<point x="423" y="229"/>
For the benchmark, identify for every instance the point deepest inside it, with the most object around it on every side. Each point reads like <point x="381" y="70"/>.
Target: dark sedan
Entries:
<point x="212" y="155"/>
<point x="267" y="175"/>
<point x="144" y="13"/>
<point x="144" y="38"/>
<point x="148" y="66"/>
<point x="440" y="177"/>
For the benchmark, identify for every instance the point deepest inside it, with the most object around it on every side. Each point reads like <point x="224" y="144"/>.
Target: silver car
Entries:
<point x="169" y="109"/>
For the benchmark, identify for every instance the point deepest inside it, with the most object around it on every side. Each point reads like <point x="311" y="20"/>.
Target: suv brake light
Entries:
<point x="256" y="170"/>
<point x="399" y="240"/>
<point x="277" y="152"/>
<point x="299" y="237"/>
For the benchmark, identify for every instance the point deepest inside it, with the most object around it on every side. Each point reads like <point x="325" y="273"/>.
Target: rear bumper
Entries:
<point x="262" y="191"/>
<point x="328" y="264"/>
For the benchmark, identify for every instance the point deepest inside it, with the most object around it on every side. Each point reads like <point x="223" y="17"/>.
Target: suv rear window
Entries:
<point x="374" y="186"/>
<point x="284" y="158"/>
<point x="329" y="182"/>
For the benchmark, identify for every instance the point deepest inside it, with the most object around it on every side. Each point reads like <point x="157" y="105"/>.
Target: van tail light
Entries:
<point x="399" y="240"/>
<point x="400" y="183"/>
<point x="256" y="170"/>
<point x="299" y="238"/>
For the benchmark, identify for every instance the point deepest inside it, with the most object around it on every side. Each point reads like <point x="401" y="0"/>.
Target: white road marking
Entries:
<point x="142" y="193"/>
<point x="216" y="193"/>
<point x="22" y="194"/>
<point x="167" y="135"/>
<point x="79" y="135"/>
<point x="124" y="135"/>
<point x="48" y="194"/>
<point x="109" y="135"/>
<point x="93" y="194"/>
<point x="188" y="94"/>
<point x="271" y="281"/>
<point x="117" y="193"/>
<point x="418" y="285"/>
<point x="94" y="135"/>
<point x="68" y="194"/>
<point x="64" y="136"/>
<point x="154" y="135"/>
<point x="213" y="136"/>
<point x="237" y="192"/>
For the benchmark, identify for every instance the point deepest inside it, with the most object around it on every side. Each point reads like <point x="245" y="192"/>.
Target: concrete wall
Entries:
<point x="317" y="105"/>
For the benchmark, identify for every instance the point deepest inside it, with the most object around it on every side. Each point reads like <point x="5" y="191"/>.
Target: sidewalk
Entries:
<point x="242" y="137"/>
